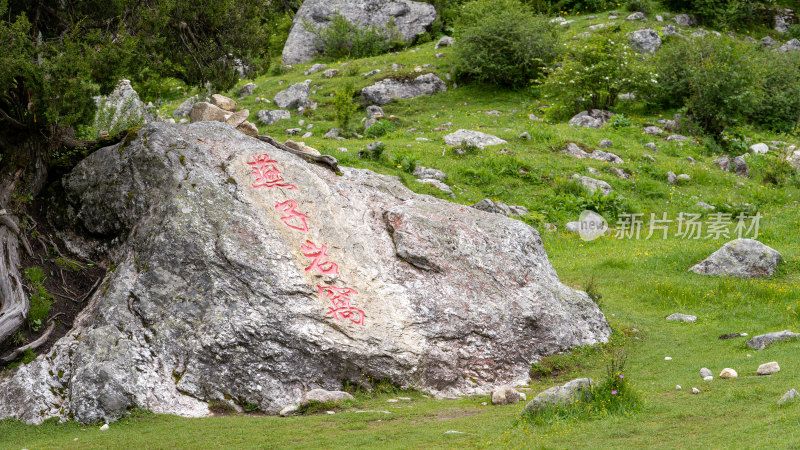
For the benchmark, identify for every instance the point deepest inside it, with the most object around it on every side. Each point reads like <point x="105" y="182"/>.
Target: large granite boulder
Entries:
<point x="409" y="19"/>
<point x="386" y="90"/>
<point x="243" y="274"/>
<point x="644" y="41"/>
<point x="743" y="258"/>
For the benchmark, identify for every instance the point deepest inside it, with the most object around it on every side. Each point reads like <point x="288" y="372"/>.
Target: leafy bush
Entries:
<point x="503" y="43"/>
<point x="644" y="6"/>
<point x="618" y="121"/>
<point x="379" y="128"/>
<point x="343" y="39"/>
<point x="721" y="81"/>
<point x="405" y="162"/>
<point x="40" y="299"/>
<point x="594" y="71"/>
<point x="554" y="6"/>
<point x="344" y="106"/>
<point x="727" y="13"/>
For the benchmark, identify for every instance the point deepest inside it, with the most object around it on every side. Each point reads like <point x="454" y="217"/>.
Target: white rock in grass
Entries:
<point x="728" y="373"/>
<point x="705" y="372"/>
<point x="695" y="391"/>
<point x="104" y="427"/>
<point x="667" y="358"/>
<point x="788" y="396"/>
<point x="678" y="317"/>
<point x="709" y="378"/>
<point x="677" y="387"/>
<point x="768" y="368"/>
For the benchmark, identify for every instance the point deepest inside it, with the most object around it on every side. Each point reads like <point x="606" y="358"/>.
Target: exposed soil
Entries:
<point x="69" y="283"/>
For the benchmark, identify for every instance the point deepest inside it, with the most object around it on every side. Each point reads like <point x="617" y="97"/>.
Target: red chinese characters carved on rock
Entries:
<point x="293" y="218"/>
<point x="341" y="309"/>
<point x="310" y="250"/>
<point x="267" y="174"/>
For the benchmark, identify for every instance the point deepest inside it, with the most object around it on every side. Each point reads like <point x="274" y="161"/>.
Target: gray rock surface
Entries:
<point x="590" y="119"/>
<point x="324" y="396"/>
<point x="445" y="41"/>
<point x="678" y="317"/>
<point x="268" y="117"/>
<point x="247" y="90"/>
<point x="496" y="207"/>
<point x="472" y="138"/>
<point x="685" y="20"/>
<point x="203" y="111"/>
<point x="121" y="109"/>
<point x="789" y="396"/>
<point x="185" y="108"/>
<point x="600" y="155"/>
<point x="433" y="174"/>
<point x="505" y="395"/>
<point x="386" y="90"/>
<point x="739" y="166"/>
<point x="791" y="46"/>
<point x="294" y="96"/>
<point x="592" y="185"/>
<point x="705" y="372"/>
<point x="743" y="258"/>
<point x="213" y="295"/>
<point x="579" y="389"/>
<point x="768" y="42"/>
<point x="409" y="18"/>
<point x="315" y="68"/>
<point x="763" y="341"/>
<point x="644" y="41"/>
<point x="768" y="368"/>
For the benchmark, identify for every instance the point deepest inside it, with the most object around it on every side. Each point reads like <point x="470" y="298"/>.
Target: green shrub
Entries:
<point x="343" y="39"/>
<point x="344" y="106"/>
<point x="594" y="71"/>
<point x="713" y="77"/>
<point x="40" y="299"/>
<point x="555" y="6"/>
<point x="727" y="13"/>
<point x="503" y="43"/>
<point x="379" y="128"/>
<point x="618" y="121"/>
<point x="644" y="6"/>
<point x="776" y="105"/>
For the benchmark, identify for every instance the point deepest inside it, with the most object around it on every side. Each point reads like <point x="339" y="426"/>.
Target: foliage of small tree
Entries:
<point x="593" y="72"/>
<point x="503" y="43"/>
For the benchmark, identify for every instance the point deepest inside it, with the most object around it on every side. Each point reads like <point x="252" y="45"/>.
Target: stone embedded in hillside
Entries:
<point x="678" y="317"/>
<point x="497" y="207"/>
<point x="677" y="138"/>
<point x="670" y="30"/>
<point x="324" y="396"/>
<point x="206" y="112"/>
<point x="223" y="102"/>
<point x="791" y="46"/>
<point x="620" y="173"/>
<point x="505" y="395"/>
<point x="739" y="167"/>
<point x="472" y="139"/>
<point x="768" y="368"/>
<point x="728" y="373"/>
<point x="600" y="155"/>
<point x="789" y="396"/>
<point x="794" y="158"/>
<point x="247" y="90"/>
<point x="590" y="119"/>
<point x="408" y="18"/>
<point x="375" y="112"/>
<point x="592" y="185"/>
<point x="386" y="90"/>
<point x="644" y="41"/>
<point x="768" y="42"/>
<point x="684" y="177"/>
<point x="294" y="97"/>
<point x="571" y="392"/>
<point x="653" y="131"/>
<point x="763" y="341"/>
<point x="217" y="280"/>
<point x="636" y="16"/>
<point x="438" y="184"/>
<point x="433" y="174"/>
<point x="723" y="163"/>
<point x="783" y="18"/>
<point x="315" y="68"/>
<point x="743" y="258"/>
<point x="760" y="148"/>
<point x="705" y="372"/>
<point x="330" y="73"/>
<point x="605" y="143"/>
<point x="445" y="41"/>
<point x="185" y="108"/>
<point x="704" y="205"/>
<point x="685" y="20"/>
<point x="120" y="109"/>
<point x="270" y="117"/>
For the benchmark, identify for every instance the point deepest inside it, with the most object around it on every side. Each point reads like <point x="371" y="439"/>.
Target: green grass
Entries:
<point x="641" y="282"/>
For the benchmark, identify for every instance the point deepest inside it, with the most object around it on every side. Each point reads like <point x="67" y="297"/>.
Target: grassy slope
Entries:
<point x="641" y="282"/>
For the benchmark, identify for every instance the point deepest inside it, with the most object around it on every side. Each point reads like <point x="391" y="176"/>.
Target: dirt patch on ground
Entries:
<point x="453" y="413"/>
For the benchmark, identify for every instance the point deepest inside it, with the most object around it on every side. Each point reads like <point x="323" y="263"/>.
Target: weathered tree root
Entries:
<point x="32" y="346"/>
<point x="14" y="304"/>
<point x="324" y="160"/>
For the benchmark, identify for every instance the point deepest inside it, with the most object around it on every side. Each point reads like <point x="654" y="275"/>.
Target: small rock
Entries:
<point x="684" y="177"/>
<point x="427" y="173"/>
<point x="739" y="167"/>
<point x="247" y="89"/>
<point x="788" y="396"/>
<point x="636" y="16"/>
<point x="695" y="391"/>
<point x="315" y="68"/>
<point x="330" y="73"/>
<point x="505" y="395"/>
<point x="605" y="143"/>
<point x="677" y="387"/>
<point x="685" y="20"/>
<point x="223" y="102"/>
<point x="446" y="41"/>
<point x="667" y="358"/>
<point x="704" y="205"/>
<point x="768" y="368"/>
<point x="708" y="378"/>
<point x="651" y="146"/>
<point x="705" y="372"/>
<point x="104" y="427"/>
<point x="525" y="136"/>
<point x="728" y="373"/>
<point x="677" y="317"/>
<point x="472" y="138"/>
<point x="760" y="148"/>
<point x="672" y="178"/>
